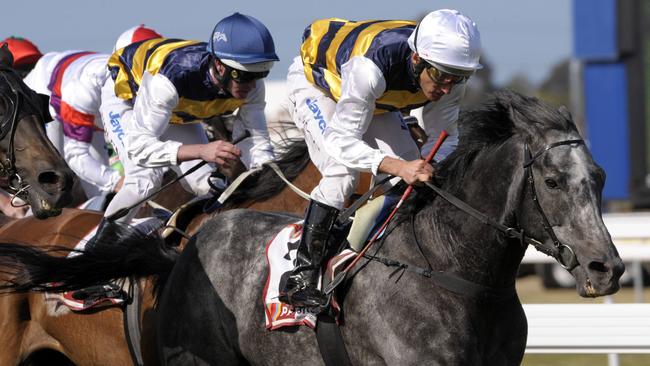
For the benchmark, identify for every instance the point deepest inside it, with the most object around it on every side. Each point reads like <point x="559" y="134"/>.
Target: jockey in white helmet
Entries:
<point x="73" y="80"/>
<point x="350" y="86"/>
<point x="159" y="89"/>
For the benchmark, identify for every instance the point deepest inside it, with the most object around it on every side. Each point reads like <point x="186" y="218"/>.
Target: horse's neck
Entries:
<point x="461" y="243"/>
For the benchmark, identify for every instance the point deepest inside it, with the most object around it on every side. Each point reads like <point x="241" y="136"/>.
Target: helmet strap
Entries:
<point x="224" y="79"/>
<point x="417" y="70"/>
<point x="419" y="67"/>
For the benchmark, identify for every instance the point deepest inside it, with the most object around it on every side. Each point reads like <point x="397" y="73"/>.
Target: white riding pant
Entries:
<point x="140" y="181"/>
<point x="387" y="132"/>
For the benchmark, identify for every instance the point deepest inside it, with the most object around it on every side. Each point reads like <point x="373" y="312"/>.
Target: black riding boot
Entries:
<point x="300" y="288"/>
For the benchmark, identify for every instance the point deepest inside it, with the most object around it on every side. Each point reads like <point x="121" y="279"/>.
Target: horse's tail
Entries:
<point x="128" y="252"/>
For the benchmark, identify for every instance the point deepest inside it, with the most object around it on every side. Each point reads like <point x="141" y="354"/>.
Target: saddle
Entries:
<point x="345" y="240"/>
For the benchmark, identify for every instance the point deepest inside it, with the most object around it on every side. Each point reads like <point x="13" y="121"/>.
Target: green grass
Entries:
<point x="531" y="290"/>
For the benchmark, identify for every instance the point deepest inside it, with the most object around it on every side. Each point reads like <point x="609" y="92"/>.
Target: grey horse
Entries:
<point x="520" y="163"/>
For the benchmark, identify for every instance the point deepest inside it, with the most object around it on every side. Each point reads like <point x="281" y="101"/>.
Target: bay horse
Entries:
<point x="34" y="169"/>
<point x="209" y="304"/>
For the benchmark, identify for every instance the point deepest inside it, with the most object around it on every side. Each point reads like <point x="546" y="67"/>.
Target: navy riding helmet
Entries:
<point x="244" y="43"/>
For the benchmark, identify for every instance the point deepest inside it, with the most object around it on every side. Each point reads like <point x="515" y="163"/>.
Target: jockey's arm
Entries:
<point x="157" y="98"/>
<point x="78" y="123"/>
<point x="256" y="149"/>
<point x="361" y="84"/>
<point x="77" y="155"/>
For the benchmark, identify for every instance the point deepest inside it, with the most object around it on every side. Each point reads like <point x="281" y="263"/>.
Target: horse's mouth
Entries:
<point x="590" y="291"/>
<point x="44" y="209"/>
<point x="587" y="287"/>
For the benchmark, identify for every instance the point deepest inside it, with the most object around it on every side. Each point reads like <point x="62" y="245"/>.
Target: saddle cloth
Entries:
<point x="280" y="255"/>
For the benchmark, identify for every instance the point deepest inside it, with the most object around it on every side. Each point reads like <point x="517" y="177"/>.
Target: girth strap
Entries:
<point x="131" y="317"/>
<point x="330" y="341"/>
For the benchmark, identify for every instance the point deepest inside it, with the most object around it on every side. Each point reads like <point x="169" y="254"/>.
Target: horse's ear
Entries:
<point x="564" y="111"/>
<point x="521" y="122"/>
<point x="6" y="58"/>
<point x="45" y="107"/>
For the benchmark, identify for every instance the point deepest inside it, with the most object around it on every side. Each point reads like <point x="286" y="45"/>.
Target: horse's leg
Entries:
<point x="14" y="312"/>
<point x="95" y="338"/>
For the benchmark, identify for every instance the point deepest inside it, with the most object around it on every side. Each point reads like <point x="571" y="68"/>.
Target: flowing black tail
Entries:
<point x="123" y="252"/>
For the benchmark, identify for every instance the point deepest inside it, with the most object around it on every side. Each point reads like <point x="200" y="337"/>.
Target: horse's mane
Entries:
<point x="486" y="127"/>
<point x="291" y="160"/>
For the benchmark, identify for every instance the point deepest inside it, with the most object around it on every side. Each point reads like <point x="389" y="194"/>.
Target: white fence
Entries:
<point x="588" y="328"/>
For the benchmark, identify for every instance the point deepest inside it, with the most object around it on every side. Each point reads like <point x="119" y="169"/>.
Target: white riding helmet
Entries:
<point x="448" y="40"/>
<point x="135" y="34"/>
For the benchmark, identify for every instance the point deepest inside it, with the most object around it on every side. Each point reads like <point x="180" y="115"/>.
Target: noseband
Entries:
<point x="8" y="127"/>
<point x="563" y="253"/>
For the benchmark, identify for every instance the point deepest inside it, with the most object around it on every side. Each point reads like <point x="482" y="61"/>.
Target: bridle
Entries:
<point x="8" y="126"/>
<point x="562" y="253"/>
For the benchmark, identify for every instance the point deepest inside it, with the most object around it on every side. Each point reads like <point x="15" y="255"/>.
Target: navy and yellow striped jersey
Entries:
<point x="185" y="64"/>
<point x="330" y="43"/>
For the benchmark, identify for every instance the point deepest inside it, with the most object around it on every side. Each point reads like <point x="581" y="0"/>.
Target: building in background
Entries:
<point x="612" y="42"/>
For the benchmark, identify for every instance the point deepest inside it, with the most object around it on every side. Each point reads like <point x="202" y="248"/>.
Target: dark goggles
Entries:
<point x="241" y="76"/>
<point x="442" y="78"/>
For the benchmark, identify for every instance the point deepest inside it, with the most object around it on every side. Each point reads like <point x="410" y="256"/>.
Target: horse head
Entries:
<point x="33" y="167"/>
<point x="559" y="201"/>
<point x="540" y="186"/>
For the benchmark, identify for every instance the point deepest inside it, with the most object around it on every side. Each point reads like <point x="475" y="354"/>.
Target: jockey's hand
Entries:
<point x="414" y="171"/>
<point x="220" y="152"/>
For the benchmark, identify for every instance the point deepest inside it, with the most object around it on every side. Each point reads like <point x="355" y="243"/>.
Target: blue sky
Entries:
<point x="519" y="37"/>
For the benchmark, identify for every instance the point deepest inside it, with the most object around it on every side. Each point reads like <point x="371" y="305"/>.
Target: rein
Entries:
<point x="448" y="281"/>
<point x="563" y="253"/>
<point x="125" y="210"/>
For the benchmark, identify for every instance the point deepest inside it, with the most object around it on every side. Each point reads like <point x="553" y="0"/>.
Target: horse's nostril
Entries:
<point x="48" y="177"/>
<point x="54" y="182"/>
<point x="598" y="266"/>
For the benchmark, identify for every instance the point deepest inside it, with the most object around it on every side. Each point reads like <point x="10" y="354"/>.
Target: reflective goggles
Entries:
<point x="242" y="77"/>
<point x="443" y="78"/>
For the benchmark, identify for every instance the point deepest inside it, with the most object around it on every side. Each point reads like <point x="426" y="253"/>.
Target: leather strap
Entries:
<point x="131" y="317"/>
<point x="330" y="341"/>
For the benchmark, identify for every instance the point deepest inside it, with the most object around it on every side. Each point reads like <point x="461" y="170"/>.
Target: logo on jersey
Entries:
<point x="318" y="115"/>
<point x="219" y="36"/>
<point x="116" y="126"/>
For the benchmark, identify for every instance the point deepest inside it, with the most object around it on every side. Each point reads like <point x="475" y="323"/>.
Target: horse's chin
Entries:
<point x="42" y="209"/>
<point x="588" y="287"/>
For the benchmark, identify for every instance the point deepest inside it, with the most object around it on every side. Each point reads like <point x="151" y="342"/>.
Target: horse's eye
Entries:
<point x="551" y="183"/>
